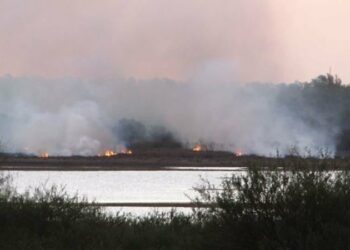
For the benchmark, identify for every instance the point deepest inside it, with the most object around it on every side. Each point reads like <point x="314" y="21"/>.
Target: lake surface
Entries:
<point x="124" y="186"/>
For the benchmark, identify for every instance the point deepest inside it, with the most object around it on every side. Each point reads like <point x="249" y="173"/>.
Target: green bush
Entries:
<point x="280" y="209"/>
<point x="272" y="209"/>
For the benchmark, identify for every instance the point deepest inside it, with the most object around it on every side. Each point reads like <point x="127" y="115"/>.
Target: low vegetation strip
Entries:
<point x="151" y="204"/>
<point x="140" y="204"/>
<point x="303" y="209"/>
<point x="211" y="161"/>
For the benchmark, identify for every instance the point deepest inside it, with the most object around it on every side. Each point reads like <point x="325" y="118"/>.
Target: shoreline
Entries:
<point x="130" y="168"/>
<point x="166" y="161"/>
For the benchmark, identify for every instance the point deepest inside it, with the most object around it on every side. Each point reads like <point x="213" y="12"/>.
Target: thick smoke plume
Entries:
<point x="135" y="135"/>
<point x="75" y="117"/>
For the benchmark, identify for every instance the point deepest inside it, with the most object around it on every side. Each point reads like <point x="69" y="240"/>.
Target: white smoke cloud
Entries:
<point x="75" y="117"/>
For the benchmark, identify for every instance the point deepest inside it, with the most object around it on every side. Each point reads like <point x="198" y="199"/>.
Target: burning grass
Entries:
<point x="160" y="158"/>
<point x="44" y="155"/>
<point x="198" y="148"/>
<point x="111" y="153"/>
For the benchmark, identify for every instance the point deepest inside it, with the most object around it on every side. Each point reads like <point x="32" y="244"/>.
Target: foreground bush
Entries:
<point x="51" y="219"/>
<point x="307" y="209"/>
<point x="278" y="209"/>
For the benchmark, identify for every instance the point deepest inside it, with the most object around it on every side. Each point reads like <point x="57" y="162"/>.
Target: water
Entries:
<point x="123" y="186"/>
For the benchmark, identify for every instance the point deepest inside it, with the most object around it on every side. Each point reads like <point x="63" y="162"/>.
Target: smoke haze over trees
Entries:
<point x="70" y="116"/>
<point x="134" y="135"/>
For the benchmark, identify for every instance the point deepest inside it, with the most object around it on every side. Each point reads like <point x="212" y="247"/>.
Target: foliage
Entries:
<point x="304" y="209"/>
<point x="261" y="209"/>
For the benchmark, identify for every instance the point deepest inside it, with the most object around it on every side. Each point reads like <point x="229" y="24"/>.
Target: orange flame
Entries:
<point x="44" y="155"/>
<point x="109" y="153"/>
<point x="126" y="151"/>
<point x="197" y="148"/>
<point x="238" y="153"/>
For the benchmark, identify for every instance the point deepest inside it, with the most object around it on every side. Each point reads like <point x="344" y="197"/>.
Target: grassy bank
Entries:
<point x="304" y="209"/>
<point x="177" y="158"/>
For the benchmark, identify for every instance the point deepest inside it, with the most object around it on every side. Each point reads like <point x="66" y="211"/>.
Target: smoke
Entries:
<point x="142" y="38"/>
<point x="80" y="117"/>
<point x="135" y="135"/>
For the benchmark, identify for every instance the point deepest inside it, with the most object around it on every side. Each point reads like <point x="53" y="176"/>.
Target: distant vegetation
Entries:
<point x="315" y="113"/>
<point x="323" y="105"/>
<point x="137" y="136"/>
<point x="272" y="209"/>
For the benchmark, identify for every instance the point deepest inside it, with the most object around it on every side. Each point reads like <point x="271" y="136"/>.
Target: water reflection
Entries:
<point x="122" y="186"/>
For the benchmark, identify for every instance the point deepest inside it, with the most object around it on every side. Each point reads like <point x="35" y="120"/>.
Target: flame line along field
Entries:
<point x="139" y="160"/>
<point x="164" y="160"/>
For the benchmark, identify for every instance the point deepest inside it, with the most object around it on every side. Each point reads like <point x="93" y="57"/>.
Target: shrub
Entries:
<point x="280" y="209"/>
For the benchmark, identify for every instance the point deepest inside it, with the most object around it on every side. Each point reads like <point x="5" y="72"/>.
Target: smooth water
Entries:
<point x="122" y="186"/>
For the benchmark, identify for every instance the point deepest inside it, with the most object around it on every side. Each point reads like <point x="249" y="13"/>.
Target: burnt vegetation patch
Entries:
<point x="136" y="136"/>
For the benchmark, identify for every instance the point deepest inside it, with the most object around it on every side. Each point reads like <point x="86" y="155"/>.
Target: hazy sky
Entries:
<point x="231" y="40"/>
